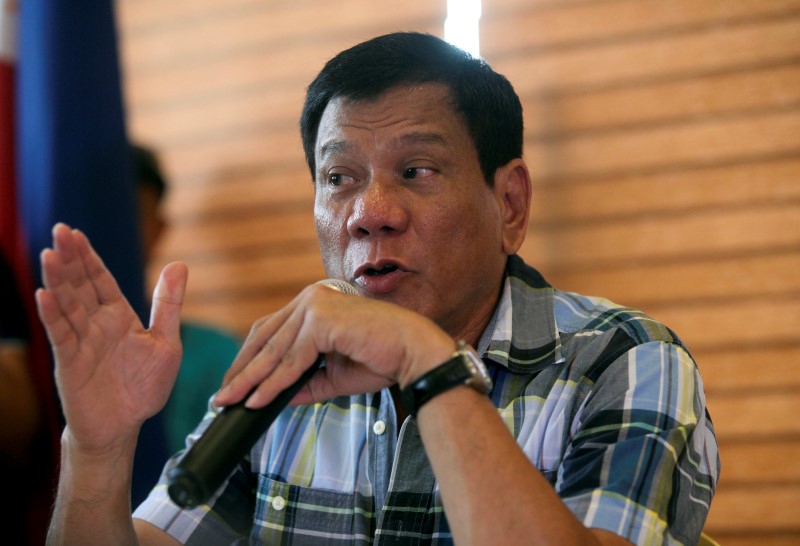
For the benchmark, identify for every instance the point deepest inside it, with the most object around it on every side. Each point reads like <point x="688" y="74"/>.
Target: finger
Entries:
<point x="59" y="331"/>
<point x="288" y="371"/>
<point x="318" y="388"/>
<point x="63" y="296"/>
<point x="101" y="283"/>
<point x="66" y="243"/>
<point x="273" y="341"/>
<point x="340" y="376"/>
<point x="258" y="337"/>
<point x="165" y="316"/>
<point x="66" y="275"/>
<point x="63" y="242"/>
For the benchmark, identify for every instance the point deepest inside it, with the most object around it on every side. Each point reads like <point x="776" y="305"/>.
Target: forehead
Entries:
<point x="408" y="114"/>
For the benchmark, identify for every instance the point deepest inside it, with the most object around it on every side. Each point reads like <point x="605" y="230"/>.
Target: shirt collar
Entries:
<point x="522" y="334"/>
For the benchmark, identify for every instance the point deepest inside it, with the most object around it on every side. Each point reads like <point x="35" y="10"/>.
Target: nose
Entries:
<point x="378" y="210"/>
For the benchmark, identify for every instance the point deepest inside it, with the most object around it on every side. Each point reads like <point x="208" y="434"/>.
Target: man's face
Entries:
<point x="402" y="209"/>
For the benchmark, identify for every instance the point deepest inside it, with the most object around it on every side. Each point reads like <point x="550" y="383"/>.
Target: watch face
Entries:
<point x="479" y="379"/>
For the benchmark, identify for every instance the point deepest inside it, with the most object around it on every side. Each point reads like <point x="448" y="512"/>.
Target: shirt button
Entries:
<point x="379" y="427"/>
<point x="278" y="503"/>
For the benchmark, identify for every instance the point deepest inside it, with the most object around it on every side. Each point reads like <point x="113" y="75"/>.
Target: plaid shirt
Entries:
<point x="606" y="402"/>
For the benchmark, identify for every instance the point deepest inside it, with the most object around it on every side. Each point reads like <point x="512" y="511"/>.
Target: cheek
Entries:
<point x="329" y="229"/>
<point x="325" y="222"/>
<point x="473" y="220"/>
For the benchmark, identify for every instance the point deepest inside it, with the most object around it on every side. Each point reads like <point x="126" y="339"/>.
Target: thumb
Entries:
<point x="165" y="315"/>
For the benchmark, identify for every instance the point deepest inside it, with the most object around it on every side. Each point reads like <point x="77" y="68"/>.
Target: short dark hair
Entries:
<point x="486" y="100"/>
<point x="148" y="169"/>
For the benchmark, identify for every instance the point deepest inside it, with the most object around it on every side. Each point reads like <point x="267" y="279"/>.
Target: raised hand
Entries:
<point x="111" y="372"/>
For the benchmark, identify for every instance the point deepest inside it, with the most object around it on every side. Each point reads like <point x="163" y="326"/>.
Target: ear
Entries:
<point x="512" y="191"/>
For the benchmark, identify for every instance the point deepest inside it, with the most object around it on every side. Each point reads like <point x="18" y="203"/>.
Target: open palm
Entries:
<point x="111" y="372"/>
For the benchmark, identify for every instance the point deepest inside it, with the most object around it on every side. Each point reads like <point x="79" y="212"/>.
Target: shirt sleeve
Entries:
<point x="642" y="461"/>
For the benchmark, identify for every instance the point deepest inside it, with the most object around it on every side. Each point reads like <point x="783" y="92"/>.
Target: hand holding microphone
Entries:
<point x="375" y="343"/>
<point x="226" y="441"/>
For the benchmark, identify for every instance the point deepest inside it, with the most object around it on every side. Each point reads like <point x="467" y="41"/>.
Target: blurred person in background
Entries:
<point x="28" y="455"/>
<point x="208" y="351"/>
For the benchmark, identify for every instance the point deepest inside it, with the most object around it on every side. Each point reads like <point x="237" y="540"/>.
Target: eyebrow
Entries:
<point x="415" y="137"/>
<point x="333" y="146"/>
<point x="422" y="138"/>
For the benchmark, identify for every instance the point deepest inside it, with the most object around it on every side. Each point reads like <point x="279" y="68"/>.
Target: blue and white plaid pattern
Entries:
<point x="606" y="402"/>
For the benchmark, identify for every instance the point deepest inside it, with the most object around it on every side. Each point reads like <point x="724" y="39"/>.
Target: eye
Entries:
<point x="417" y="172"/>
<point x="338" y="179"/>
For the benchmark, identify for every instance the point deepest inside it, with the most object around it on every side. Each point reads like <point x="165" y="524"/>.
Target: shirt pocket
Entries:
<point x="310" y="515"/>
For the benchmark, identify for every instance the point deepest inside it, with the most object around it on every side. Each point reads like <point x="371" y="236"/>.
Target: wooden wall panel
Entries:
<point x="576" y="23"/>
<point x="663" y="140"/>
<point x="739" y="368"/>
<point x="705" y="51"/>
<point x="705" y="141"/>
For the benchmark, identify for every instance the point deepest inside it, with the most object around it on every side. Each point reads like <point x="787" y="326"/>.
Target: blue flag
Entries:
<point x="74" y="159"/>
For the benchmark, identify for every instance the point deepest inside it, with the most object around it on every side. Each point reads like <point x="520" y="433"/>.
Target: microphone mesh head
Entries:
<point x="340" y="285"/>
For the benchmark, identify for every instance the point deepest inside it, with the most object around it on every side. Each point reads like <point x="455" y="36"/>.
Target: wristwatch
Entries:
<point x="465" y="367"/>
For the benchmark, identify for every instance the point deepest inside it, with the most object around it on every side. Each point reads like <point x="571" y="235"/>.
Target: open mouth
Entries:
<point x="385" y="270"/>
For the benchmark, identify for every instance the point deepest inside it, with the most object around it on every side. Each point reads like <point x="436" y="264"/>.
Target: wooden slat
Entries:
<point x="239" y="190"/>
<point x="280" y="63"/>
<point x="759" y="320"/>
<point x="743" y="463"/>
<point x="661" y="147"/>
<point x="223" y="114"/>
<point x="755" y="416"/>
<point x="286" y="66"/>
<point x="678" y="283"/>
<point x="649" y="59"/>
<point x="529" y="28"/>
<point x="245" y="278"/>
<point x="769" y="509"/>
<point x="142" y="15"/>
<point x="240" y="317"/>
<point x="665" y="102"/>
<point x="238" y="235"/>
<point x="664" y="192"/>
<point x="212" y="157"/>
<point x="711" y="233"/>
<point x="756" y="367"/>
<point x="263" y="24"/>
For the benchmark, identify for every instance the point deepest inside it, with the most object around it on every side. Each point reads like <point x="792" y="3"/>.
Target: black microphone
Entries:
<point x="232" y="433"/>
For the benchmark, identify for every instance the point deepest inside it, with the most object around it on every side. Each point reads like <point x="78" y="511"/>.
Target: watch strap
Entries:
<point x="453" y="372"/>
<point x="443" y="377"/>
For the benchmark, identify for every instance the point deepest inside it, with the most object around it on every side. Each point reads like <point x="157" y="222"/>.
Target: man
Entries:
<point x="593" y="432"/>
